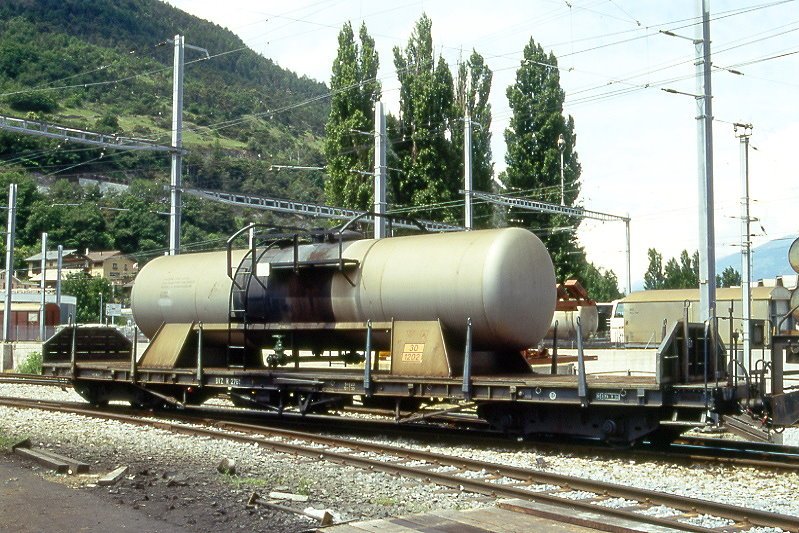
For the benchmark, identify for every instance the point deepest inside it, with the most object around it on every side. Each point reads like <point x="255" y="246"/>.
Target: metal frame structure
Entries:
<point x="62" y="133"/>
<point x="543" y="207"/>
<point x="618" y="407"/>
<point x="294" y="207"/>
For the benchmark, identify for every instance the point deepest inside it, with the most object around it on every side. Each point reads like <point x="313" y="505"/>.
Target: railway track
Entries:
<point x="35" y="379"/>
<point x="572" y="493"/>
<point x="743" y="453"/>
<point x="685" y="448"/>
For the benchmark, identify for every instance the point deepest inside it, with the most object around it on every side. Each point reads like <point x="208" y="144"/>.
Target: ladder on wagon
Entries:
<point x="239" y="345"/>
<point x="241" y="276"/>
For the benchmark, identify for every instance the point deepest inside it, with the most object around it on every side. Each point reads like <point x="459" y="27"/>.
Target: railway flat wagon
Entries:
<point x="313" y="321"/>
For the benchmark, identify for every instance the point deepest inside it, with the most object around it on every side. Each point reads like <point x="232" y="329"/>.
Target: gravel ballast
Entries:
<point x="174" y="477"/>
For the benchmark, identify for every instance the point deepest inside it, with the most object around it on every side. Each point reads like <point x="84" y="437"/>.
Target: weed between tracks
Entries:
<point x="302" y="486"/>
<point x="248" y="482"/>
<point x="6" y="441"/>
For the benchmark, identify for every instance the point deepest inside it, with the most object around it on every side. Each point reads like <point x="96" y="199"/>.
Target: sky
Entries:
<point x="636" y="142"/>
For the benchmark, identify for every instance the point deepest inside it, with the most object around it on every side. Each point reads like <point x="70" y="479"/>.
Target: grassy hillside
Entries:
<point x="104" y="66"/>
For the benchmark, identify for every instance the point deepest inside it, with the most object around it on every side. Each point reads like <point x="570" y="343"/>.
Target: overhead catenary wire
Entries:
<point x="317" y="98"/>
<point x="620" y="94"/>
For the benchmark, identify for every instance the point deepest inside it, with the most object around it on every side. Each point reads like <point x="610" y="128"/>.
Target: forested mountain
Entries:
<point x="48" y="43"/>
<point x="106" y="66"/>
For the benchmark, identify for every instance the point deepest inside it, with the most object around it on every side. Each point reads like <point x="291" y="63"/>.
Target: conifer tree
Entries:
<point x="473" y="87"/>
<point x="424" y="153"/>
<point x="533" y="157"/>
<point x="348" y="146"/>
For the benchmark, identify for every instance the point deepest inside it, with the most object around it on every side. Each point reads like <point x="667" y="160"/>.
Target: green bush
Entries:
<point x="36" y="102"/>
<point x="7" y="441"/>
<point x="32" y="364"/>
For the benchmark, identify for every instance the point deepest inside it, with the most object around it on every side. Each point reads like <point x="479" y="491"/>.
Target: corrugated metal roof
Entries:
<point x="102" y="255"/>
<point x="52" y="255"/>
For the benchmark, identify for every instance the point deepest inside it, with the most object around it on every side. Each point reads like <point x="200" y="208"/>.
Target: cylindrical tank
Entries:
<point x="793" y="255"/>
<point x="502" y="279"/>
<point x="182" y="289"/>
<point x="567" y="322"/>
<point x="795" y="304"/>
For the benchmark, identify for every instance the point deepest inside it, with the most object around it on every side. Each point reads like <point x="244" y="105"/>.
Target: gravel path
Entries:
<point x="178" y="473"/>
<point x="174" y="477"/>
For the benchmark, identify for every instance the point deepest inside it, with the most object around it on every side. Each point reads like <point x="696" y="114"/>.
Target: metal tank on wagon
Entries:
<point x="452" y="312"/>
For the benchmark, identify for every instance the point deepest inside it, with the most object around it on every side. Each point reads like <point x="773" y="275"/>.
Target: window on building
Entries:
<point x="114" y="266"/>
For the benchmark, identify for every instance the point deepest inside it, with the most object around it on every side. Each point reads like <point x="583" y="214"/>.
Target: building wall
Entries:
<point x="25" y="323"/>
<point x="34" y="267"/>
<point x="643" y="321"/>
<point x="115" y="269"/>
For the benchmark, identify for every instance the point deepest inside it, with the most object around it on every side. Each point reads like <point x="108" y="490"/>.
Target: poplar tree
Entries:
<point x="472" y="88"/>
<point x="682" y="274"/>
<point x="533" y="157"/>
<point x="423" y="151"/>
<point x="729" y="278"/>
<point x="349" y="146"/>
<point x="654" y="277"/>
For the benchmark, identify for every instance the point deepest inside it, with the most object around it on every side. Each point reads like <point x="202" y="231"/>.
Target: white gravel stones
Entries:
<point x="540" y="487"/>
<point x="378" y="457"/>
<point x="352" y="492"/>
<point x="659" y="511"/>
<point x="615" y="503"/>
<point x="576" y="495"/>
<point x="343" y="488"/>
<point x="504" y="481"/>
<point x="735" y="485"/>
<point x="415" y="463"/>
<point x="445" y="469"/>
<point x="707" y="521"/>
<point x="472" y="474"/>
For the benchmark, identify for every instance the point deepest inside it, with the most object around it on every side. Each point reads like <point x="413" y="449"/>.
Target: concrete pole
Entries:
<point x="704" y="130"/>
<point x="561" y="148"/>
<point x="43" y="288"/>
<point x="177" y="145"/>
<point x="468" y="216"/>
<point x="746" y="244"/>
<point x="59" y="266"/>
<point x="627" y="251"/>
<point x="380" y="171"/>
<point x="11" y="228"/>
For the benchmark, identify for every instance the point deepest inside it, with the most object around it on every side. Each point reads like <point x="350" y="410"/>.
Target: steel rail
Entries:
<point x="689" y="448"/>
<point x="742" y="453"/>
<point x="485" y="484"/>
<point x="771" y="448"/>
<point x="35" y="379"/>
